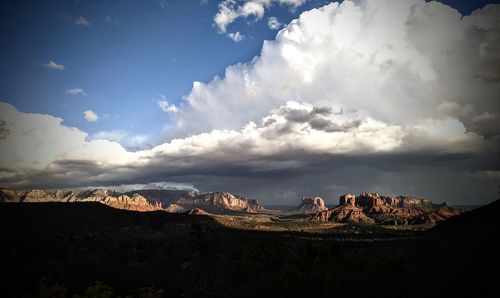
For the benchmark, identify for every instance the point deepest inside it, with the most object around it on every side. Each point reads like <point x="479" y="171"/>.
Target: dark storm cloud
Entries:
<point x="283" y="179"/>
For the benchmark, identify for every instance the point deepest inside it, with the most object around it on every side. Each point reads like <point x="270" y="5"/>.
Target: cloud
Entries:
<point x="273" y="23"/>
<point x="286" y="142"/>
<point x="163" y="4"/>
<point x="236" y="37"/>
<point x="52" y="65"/>
<point x="82" y="22"/>
<point x="371" y="56"/>
<point x="167" y="107"/>
<point x="76" y="91"/>
<point x="131" y="142"/>
<point x="32" y="141"/>
<point x="4" y="132"/>
<point x="351" y="97"/>
<point x="230" y="10"/>
<point x="90" y="116"/>
<point x="162" y="185"/>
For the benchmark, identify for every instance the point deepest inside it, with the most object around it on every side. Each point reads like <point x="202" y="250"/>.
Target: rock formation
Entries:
<point x="141" y="200"/>
<point x="112" y="198"/>
<point x="174" y="208"/>
<point x="134" y="203"/>
<point x="312" y="204"/>
<point x="400" y="210"/>
<point x="347" y="213"/>
<point x="220" y="201"/>
<point x="165" y="197"/>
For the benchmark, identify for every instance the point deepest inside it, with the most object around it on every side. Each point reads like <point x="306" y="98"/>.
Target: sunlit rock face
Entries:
<point x="312" y="204"/>
<point x="220" y="201"/>
<point x="375" y="208"/>
<point x="347" y="213"/>
<point x="141" y="200"/>
<point x="111" y="198"/>
<point x="135" y="203"/>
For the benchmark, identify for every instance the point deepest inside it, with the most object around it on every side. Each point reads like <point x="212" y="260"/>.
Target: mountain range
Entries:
<point x="138" y="200"/>
<point x="364" y="208"/>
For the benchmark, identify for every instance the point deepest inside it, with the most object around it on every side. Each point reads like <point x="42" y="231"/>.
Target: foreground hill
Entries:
<point x="59" y="250"/>
<point x="140" y="200"/>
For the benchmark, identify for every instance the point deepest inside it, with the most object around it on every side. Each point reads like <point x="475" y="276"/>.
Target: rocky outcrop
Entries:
<point x="141" y="200"/>
<point x="197" y="211"/>
<point x="134" y="203"/>
<point x="219" y="201"/>
<point x="112" y="198"/>
<point x="400" y="210"/>
<point x="347" y="199"/>
<point x="174" y="208"/>
<point x="164" y="196"/>
<point x="368" y="200"/>
<point x="312" y="204"/>
<point x="347" y="213"/>
<point x="444" y="212"/>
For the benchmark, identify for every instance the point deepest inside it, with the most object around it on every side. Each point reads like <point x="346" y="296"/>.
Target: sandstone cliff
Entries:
<point x="219" y="201"/>
<point x="112" y="198"/>
<point x="346" y="212"/>
<point x="311" y="204"/>
<point x="141" y="200"/>
<point x="400" y="210"/>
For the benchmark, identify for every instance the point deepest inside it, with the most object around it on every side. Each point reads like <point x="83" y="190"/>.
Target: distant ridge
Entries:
<point x="139" y="200"/>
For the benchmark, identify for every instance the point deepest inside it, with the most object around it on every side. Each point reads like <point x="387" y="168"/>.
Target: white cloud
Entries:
<point x="226" y="15"/>
<point x="82" y="22"/>
<point x="273" y="23"/>
<point x="292" y="3"/>
<point x="167" y="107"/>
<point x="374" y="56"/>
<point x="52" y="65"/>
<point x="295" y="129"/>
<point x="236" y="37"/>
<point x="32" y="141"/>
<point x="254" y="9"/>
<point x="230" y="10"/>
<point x="76" y="91"/>
<point x="90" y="116"/>
<point x="163" y="4"/>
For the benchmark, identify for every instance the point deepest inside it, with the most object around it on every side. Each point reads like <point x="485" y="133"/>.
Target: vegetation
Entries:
<point x="91" y="250"/>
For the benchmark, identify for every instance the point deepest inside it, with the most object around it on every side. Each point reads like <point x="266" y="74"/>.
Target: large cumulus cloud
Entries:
<point x="357" y="96"/>
<point x="395" y="60"/>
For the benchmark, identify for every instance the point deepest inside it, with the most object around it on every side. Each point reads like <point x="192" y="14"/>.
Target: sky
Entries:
<point x="271" y="99"/>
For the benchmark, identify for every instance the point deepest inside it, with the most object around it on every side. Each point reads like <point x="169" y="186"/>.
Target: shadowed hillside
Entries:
<point x="72" y="249"/>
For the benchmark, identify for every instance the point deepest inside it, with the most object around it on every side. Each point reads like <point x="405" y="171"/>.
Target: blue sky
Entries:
<point x="389" y="96"/>
<point x="132" y="53"/>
